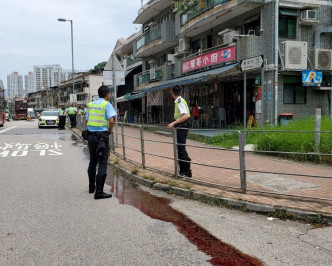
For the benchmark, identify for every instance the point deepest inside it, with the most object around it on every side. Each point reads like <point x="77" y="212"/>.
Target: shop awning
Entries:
<point x="192" y="78"/>
<point x="121" y="99"/>
<point x="136" y="96"/>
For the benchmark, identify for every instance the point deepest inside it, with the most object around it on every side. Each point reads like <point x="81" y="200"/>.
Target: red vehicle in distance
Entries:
<point x="20" y="109"/>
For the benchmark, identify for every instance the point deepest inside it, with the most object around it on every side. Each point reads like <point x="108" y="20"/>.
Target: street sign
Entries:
<point x="252" y="63"/>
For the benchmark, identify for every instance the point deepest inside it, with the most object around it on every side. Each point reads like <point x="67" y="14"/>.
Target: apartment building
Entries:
<point x="127" y="99"/>
<point x="15" y="85"/>
<point x="1" y="85"/>
<point x="204" y="46"/>
<point x="85" y="90"/>
<point x="29" y="83"/>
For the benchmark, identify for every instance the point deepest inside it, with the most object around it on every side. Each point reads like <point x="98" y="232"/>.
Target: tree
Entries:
<point x="100" y="66"/>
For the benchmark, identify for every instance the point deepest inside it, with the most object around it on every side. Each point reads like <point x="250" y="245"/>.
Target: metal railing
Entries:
<point x="150" y="36"/>
<point x="239" y="169"/>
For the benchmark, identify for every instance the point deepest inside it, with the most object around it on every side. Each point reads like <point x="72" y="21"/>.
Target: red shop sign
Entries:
<point x="213" y="58"/>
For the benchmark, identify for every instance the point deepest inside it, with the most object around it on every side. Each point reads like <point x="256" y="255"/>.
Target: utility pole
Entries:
<point x="115" y="99"/>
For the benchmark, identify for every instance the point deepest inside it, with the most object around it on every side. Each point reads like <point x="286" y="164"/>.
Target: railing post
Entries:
<point x="111" y="137"/>
<point x="175" y="148"/>
<point x="123" y="142"/>
<point x="318" y="117"/>
<point x="142" y="146"/>
<point x="242" y="162"/>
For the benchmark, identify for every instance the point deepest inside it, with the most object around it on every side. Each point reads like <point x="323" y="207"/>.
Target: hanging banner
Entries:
<point x="312" y="78"/>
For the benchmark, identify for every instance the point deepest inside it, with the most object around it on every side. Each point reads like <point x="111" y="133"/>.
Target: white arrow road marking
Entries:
<point x="6" y="129"/>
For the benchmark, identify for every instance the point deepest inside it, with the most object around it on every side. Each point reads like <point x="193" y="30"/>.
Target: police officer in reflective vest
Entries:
<point x="181" y="115"/>
<point x="100" y="119"/>
<point x="61" y="117"/>
<point x="72" y="111"/>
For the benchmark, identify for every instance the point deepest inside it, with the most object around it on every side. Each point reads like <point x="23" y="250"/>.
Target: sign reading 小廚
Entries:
<point x="209" y="59"/>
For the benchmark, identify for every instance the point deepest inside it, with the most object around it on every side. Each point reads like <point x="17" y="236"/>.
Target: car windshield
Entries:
<point x="50" y="113"/>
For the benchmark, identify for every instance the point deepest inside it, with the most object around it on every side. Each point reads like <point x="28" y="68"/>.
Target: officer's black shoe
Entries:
<point x="100" y="181"/>
<point x="186" y="174"/>
<point x="102" y="195"/>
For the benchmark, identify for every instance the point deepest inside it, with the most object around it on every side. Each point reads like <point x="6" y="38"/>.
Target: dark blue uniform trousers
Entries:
<point x="182" y="151"/>
<point x="95" y="160"/>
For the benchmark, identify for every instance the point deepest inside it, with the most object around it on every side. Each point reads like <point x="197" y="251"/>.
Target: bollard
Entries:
<point x="123" y="142"/>
<point x="242" y="162"/>
<point x="142" y="146"/>
<point x="175" y="148"/>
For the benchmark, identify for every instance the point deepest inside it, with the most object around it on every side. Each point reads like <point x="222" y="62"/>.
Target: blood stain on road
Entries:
<point x="159" y="208"/>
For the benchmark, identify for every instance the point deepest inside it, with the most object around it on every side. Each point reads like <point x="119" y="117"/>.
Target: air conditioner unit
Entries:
<point x="226" y="36"/>
<point x="295" y="54"/>
<point x="308" y="14"/>
<point x="229" y="36"/>
<point x="322" y="59"/>
<point x="184" y="45"/>
<point x="170" y="58"/>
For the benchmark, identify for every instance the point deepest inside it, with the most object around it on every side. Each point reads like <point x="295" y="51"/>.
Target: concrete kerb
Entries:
<point x="265" y="209"/>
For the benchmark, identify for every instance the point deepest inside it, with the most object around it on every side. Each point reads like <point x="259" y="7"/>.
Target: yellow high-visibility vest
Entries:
<point x="177" y="113"/>
<point x="97" y="114"/>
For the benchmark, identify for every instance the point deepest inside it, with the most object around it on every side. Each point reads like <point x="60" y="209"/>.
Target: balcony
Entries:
<point x="131" y="61"/>
<point x="155" y="40"/>
<point x="207" y="14"/>
<point x="251" y="46"/>
<point x="151" y="9"/>
<point x="164" y="72"/>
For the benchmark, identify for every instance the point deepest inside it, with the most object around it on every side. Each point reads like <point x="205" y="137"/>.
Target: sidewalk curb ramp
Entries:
<point x="265" y="209"/>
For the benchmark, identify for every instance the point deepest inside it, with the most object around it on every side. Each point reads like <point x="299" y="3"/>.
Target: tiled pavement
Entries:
<point x="225" y="181"/>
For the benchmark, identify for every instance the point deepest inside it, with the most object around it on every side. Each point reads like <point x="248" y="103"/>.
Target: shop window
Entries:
<point x="294" y="92"/>
<point x="287" y="27"/>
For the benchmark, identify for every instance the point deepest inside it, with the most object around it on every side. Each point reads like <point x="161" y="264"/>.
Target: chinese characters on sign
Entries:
<point x="21" y="150"/>
<point x="213" y="58"/>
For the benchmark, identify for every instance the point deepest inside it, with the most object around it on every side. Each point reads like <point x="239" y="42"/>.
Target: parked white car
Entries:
<point x="48" y="118"/>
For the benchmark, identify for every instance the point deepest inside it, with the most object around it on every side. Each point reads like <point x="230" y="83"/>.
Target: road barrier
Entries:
<point x="237" y="169"/>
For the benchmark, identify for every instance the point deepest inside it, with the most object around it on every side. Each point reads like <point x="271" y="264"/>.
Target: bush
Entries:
<point x="299" y="142"/>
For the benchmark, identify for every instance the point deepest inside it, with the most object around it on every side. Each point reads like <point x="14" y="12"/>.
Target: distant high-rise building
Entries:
<point x="1" y="85"/>
<point x="29" y="83"/>
<point x="46" y="76"/>
<point x="15" y="85"/>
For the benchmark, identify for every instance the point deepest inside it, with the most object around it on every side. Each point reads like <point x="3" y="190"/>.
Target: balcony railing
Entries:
<point x="199" y="8"/>
<point x="130" y="61"/>
<point x="152" y="35"/>
<point x="163" y="73"/>
<point x="153" y="74"/>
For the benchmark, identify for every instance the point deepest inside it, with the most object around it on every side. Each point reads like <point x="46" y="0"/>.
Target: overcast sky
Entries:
<point x="30" y="33"/>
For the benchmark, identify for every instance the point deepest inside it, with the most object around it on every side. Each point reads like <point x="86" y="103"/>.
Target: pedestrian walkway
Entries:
<point x="225" y="182"/>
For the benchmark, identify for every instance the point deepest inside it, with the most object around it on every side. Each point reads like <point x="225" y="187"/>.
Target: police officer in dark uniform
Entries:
<point x="181" y="115"/>
<point x="100" y="118"/>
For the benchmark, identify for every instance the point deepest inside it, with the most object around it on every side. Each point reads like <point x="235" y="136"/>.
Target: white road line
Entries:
<point x="6" y="129"/>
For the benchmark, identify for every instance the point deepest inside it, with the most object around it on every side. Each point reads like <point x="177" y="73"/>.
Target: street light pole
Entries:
<point x="72" y="47"/>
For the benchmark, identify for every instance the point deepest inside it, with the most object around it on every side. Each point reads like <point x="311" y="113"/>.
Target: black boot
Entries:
<point x="100" y="181"/>
<point x="92" y="181"/>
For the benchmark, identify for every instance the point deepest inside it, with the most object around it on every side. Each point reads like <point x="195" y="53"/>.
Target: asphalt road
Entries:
<point x="47" y="217"/>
